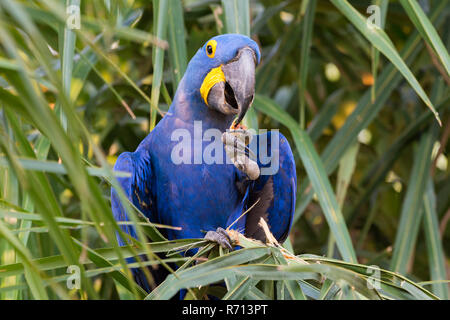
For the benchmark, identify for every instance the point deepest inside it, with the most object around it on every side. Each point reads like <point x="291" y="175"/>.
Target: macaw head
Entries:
<point x="221" y="75"/>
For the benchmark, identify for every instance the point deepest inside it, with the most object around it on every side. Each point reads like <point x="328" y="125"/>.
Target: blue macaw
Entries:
<point x="218" y="86"/>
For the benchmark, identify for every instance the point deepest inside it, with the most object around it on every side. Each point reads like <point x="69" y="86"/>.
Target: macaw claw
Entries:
<point x="235" y="143"/>
<point x="221" y="237"/>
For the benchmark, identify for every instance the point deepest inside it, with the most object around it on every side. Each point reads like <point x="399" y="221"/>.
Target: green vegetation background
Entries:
<point x="358" y="104"/>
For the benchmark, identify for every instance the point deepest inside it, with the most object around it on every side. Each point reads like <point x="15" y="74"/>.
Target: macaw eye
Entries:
<point x="211" y="48"/>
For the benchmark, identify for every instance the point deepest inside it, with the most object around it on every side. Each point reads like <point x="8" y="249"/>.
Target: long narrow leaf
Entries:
<point x="381" y="41"/>
<point x="317" y="174"/>
<point x="412" y="206"/>
<point x="436" y="255"/>
<point x="428" y="32"/>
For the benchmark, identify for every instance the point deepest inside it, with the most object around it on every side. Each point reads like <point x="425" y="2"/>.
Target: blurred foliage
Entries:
<point x="71" y="100"/>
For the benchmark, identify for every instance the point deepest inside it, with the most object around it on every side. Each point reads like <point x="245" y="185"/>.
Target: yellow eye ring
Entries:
<point x="211" y="48"/>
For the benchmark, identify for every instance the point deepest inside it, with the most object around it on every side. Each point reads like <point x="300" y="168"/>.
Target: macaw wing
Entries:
<point x="136" y="188"/>
<point x="274" y="191"/>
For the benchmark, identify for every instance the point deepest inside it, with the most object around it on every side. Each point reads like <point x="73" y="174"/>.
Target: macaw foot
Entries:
<point x="236" y="142"/>
<point x="221" y="237"/>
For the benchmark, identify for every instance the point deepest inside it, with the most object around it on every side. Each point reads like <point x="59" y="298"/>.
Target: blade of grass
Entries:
<point x="67" y="40"/>
<point x="120" y="277"/>
<point x="31" y="274"/>
<point x="10" y="193"/>
<point x="383" y="5"/>
<point x="308" y="25"/>
<point x="381" y="41"/>
<point x="57" y="168"/>
<point x="365" y="112"/>
<point x="47" y="123"/>
<point x="317" y="174"/>
<point x="436" y="255"/>
<point x="380" y="168"/>
<point x="263" y="272"/>
<point x="237" y="16"/>
<point x="177" y="42"/>
<point x="262" y="19"/>
<point x="109" y="254"/>
<point x="53" y="13"/>
<point x="393" y="279"/>
<point x="428" y="32"/>
<point x="323" y="118"/>
<point x="28" y="216"/>
<point x="25" y="148"/>
<point x="347" y="167"/>
<point x="411" y="208"/>
<point x="237" y="20"/>
<point x="292" y="287"/>
<point x="270" y="71"/>
<point x="169" y="287"/>
<point x="160" y="22"/>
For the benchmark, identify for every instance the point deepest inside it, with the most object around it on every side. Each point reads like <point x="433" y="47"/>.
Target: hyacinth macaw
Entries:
<point x="217" y="87"/>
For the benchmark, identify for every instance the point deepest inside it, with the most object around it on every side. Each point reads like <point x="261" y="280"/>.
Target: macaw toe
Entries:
<point x="235" y="143"/>
<point x="221" y="237"/>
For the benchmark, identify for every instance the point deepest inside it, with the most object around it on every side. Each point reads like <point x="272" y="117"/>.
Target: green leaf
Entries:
<point x="428" y="32"/>
<point x="380" y="168"/>
<point x="383" y="4"/>
<point x="177" y="42"/>
<point x="31" y="272"/>
<point x="176" y="281"/>
<point x="101" y="262"/>
<point x="240" y="289"/>
<point x="381" y="41"/>
<point x="308" y="25"/>
<point x="365" y="112"/>
<point x="411" y="214"/>
<point x="293" y="288"/>
<point x="317" y="174"/>
<point x="160" y="23"/>
<point x="346" y="168"/>
<point x="237" y="20"/>
<point x="323" y="118"/>
<point x="237" y="16"/>
<point x="436" y="255"/>
<point x="398" y="283"/>
<point x="108" y="254"/>
<point x="58" y="168"/>
<point x="67" y="40"/>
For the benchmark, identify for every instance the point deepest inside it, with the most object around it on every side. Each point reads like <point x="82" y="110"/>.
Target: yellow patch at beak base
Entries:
<point x="214" y="76"/>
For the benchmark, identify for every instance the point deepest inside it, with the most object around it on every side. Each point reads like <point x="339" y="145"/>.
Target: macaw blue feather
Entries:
<point x="202" y="197"/>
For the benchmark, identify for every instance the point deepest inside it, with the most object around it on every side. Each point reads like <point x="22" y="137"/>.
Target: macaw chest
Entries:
<point x="195" y="197"/>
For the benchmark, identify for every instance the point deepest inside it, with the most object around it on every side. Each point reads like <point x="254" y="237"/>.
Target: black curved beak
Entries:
<point x="235" y="95"/>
